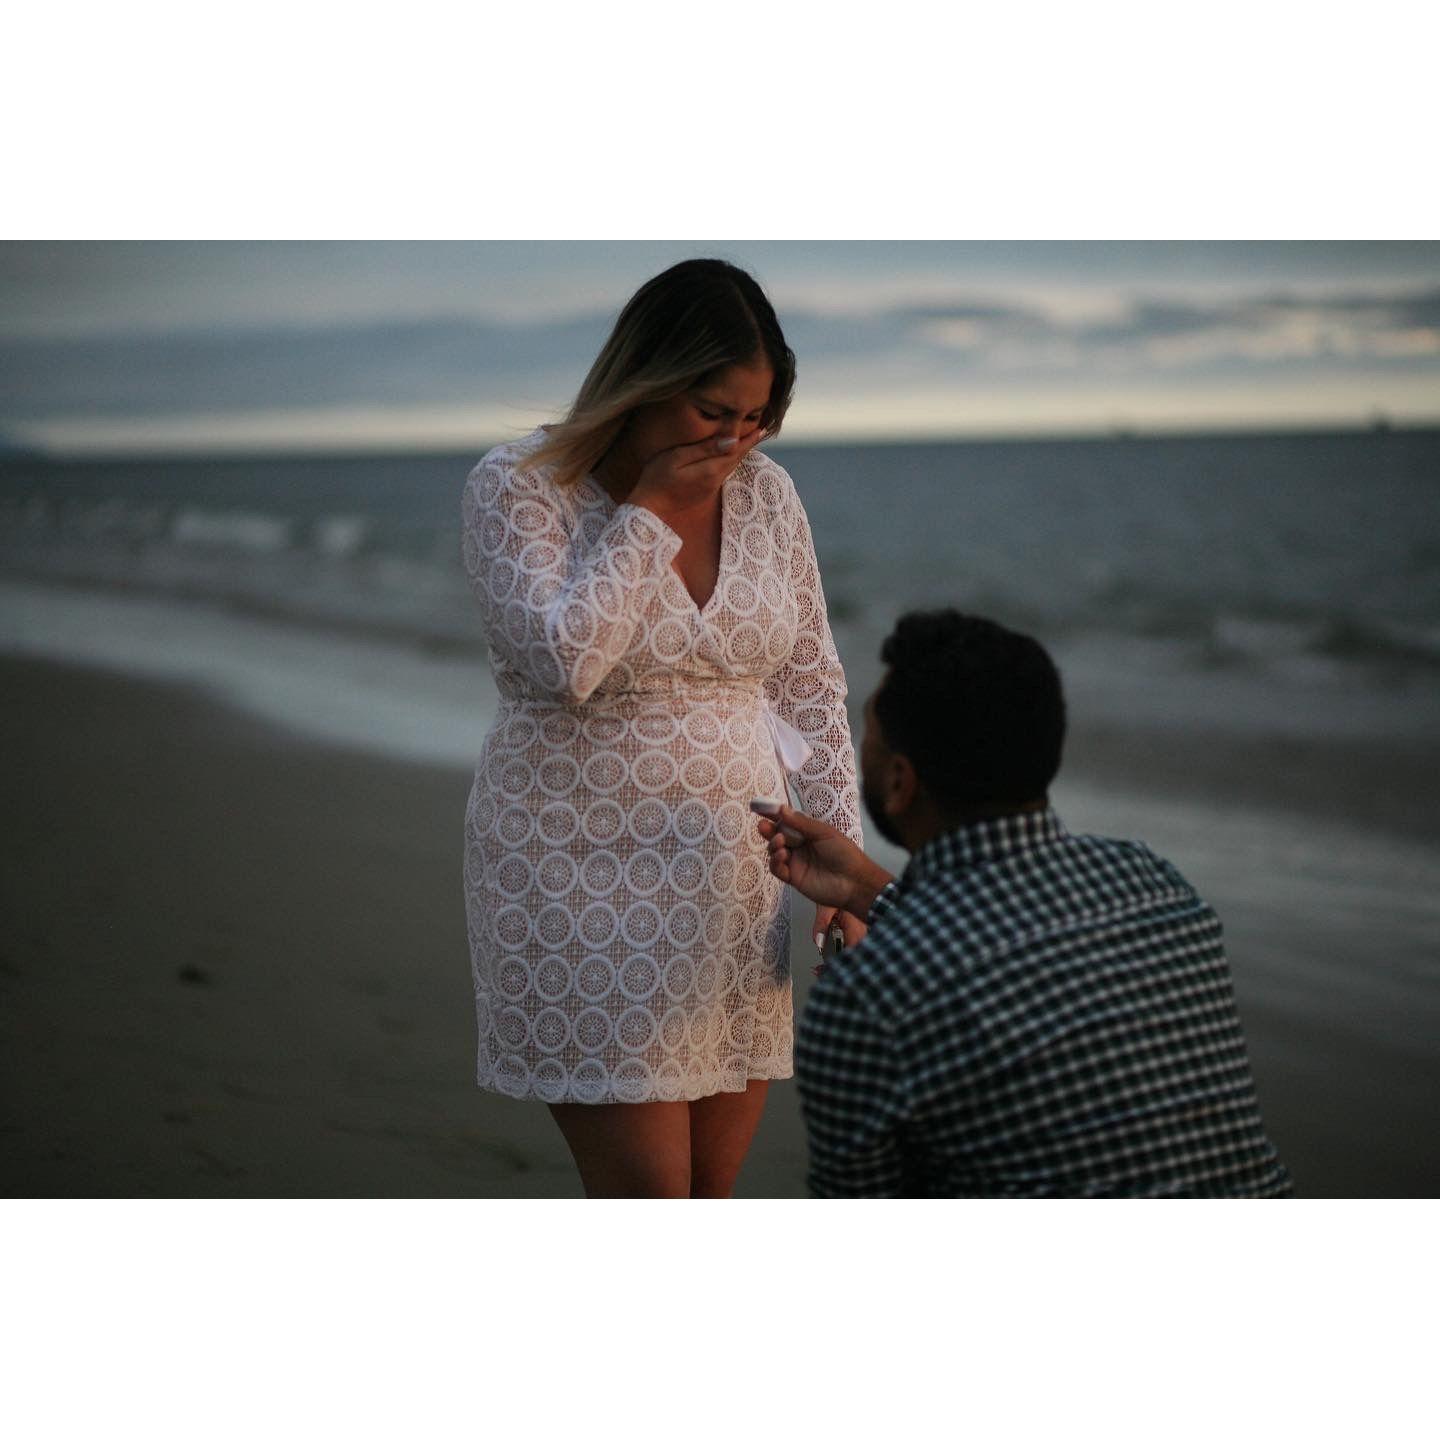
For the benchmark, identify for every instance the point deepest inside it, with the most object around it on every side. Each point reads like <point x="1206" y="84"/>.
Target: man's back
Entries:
<point x="1033" y="1013"/>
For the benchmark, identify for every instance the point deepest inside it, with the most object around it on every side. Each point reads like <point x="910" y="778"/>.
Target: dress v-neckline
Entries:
<point x="720" y="559"/>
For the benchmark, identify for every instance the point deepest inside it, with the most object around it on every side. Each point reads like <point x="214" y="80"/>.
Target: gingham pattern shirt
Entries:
<point x="1032" y="1013"/>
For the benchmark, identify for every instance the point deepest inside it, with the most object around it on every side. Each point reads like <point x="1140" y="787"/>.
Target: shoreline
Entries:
<point x="1373" y="761"/>
<point x="238" y="962"/>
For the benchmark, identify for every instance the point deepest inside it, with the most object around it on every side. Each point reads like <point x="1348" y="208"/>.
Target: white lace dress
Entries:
<point x="628" y="942"/>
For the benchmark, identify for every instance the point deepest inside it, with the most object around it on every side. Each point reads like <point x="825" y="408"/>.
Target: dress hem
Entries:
<point x="716" y="1087"/>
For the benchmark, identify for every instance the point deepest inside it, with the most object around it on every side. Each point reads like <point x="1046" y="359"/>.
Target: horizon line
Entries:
<point x="1118" y="431"/>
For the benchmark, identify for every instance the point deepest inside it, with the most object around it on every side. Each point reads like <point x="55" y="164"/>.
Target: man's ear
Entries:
<point x="903" y="787"/>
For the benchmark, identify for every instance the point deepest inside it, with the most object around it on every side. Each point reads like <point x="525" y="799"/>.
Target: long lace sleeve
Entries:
<point x="561" y="620"/>
<point x="809" y="691"/>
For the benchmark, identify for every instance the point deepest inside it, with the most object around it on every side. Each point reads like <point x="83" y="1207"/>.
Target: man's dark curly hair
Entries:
<point x="977" y="709"/>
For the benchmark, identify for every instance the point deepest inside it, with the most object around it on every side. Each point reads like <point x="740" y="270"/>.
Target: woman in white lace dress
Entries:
<point x="649" y="593"/>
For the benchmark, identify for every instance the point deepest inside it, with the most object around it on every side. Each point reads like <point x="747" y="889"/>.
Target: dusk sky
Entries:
<point x="176" y="345"/>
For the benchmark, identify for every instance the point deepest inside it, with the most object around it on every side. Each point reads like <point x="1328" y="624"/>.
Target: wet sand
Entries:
<point x="234" y="959"/>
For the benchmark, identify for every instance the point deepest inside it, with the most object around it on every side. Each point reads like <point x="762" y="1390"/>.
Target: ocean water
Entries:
<point x="1260" y="581"/>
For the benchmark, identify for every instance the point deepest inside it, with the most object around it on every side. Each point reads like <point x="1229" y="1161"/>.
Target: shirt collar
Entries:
<point x="982" y="840"/>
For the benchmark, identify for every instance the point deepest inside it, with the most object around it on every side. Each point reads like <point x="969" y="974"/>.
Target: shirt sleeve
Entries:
<point x="851" y="1094"/>
<point x="883" y="903"/>
<point x="808" y="690"/>
<point x="562" y="619"/>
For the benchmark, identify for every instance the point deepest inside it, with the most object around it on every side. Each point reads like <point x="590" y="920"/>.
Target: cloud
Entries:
<point x="1254" y="334"/>
<point x="242" y="369"/>
<point x="1268" y="339"/>
<point x="1273" y="329"/>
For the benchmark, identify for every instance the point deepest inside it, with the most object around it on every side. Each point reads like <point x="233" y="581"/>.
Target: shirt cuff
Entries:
<point x="883" y="902"/>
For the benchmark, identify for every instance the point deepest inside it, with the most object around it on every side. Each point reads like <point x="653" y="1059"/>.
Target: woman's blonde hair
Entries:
<point x="694" y="319"/>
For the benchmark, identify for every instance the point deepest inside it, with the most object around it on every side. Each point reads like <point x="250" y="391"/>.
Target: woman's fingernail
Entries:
<point x="820" y="941"/>
<point x="729" y="443"/>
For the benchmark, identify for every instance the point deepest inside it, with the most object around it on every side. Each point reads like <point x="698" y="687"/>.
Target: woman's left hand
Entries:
<point x="855" y="930"/>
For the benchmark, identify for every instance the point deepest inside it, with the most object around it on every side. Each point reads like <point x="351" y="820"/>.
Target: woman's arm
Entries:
<point x="809" y="689"/>
<point x="563" y="623"/>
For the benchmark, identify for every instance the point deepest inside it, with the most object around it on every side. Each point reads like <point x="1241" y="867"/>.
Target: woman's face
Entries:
<point x="730" y="403"/>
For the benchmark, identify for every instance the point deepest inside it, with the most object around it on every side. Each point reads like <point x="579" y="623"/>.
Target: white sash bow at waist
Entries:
<point x="792" y="749"/>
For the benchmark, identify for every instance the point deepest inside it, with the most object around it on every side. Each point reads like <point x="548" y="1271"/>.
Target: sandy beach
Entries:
<point x="235" y="964"/>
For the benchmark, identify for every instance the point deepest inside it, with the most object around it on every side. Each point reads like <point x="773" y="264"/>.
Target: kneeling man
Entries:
<point x="1031" y="1012"/>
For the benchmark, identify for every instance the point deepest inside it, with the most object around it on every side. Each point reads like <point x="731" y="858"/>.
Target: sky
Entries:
<point x="126" y="347"/>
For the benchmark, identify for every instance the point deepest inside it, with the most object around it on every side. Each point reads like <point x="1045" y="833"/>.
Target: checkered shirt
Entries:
<point x="1032" y="1013"/>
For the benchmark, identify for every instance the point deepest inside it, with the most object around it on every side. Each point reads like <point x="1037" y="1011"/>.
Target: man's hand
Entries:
<point x="823" y="864"/>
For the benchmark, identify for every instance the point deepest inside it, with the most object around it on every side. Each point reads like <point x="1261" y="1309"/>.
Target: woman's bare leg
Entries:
<point x="629" y="1151"/>
<point x="721" y="1129"/>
